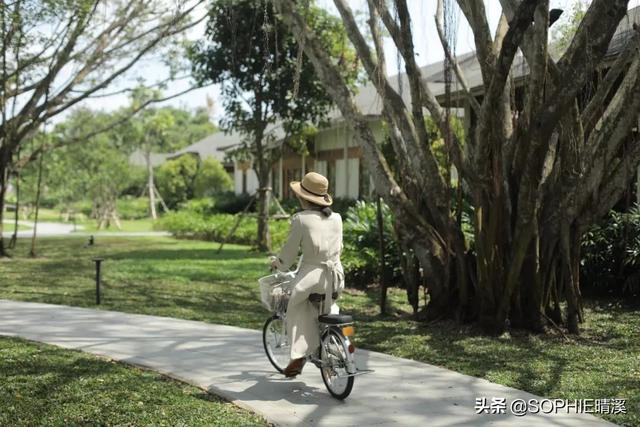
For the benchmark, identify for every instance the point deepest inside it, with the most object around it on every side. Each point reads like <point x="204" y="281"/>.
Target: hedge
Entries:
<point x="216" y="228"/>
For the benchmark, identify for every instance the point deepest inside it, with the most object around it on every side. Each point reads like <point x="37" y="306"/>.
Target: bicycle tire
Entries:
<point x="342" y="348"/>
<point x="280" y="366"/>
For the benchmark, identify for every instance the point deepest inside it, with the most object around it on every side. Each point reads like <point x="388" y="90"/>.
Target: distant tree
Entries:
<point x="264" y="78"/>
<point x="56" y="54"/>
<point x="176" y="179"/>
<point x="188" y="127"/>
<point x="162" y="130"/>
<point x="97" y="169"/>
<point x="148" y="132"/>
<point x="566" y="28"/>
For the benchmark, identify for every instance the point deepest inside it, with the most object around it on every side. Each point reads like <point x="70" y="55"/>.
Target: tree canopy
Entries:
<point x="57" y="54"/>
<point x="265" y="79"/>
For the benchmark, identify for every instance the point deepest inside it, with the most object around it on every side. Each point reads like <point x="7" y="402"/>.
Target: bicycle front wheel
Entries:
<point x="334" y="354"/>
<point x="276" y="342"/>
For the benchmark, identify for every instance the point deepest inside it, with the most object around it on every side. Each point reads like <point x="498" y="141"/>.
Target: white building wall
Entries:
<point x="237" y="179"/>
<point x="252" y="180"/>
<point x="347" y="173"/>
<point x="347" y="178"/>
<point x="321" y="167"/>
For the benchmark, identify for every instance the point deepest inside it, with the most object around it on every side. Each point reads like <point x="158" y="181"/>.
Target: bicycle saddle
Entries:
<point x="335" y="319"/>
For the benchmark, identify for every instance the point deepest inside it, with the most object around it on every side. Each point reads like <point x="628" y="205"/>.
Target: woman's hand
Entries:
<point x="274" y="263"/>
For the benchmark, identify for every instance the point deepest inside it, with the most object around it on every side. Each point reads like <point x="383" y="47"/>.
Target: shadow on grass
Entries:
<point x="540" y="364"/>
<point x="40" y="373"/>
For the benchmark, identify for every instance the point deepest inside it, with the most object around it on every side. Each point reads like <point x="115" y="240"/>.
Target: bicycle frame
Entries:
<point x="323" y="330"/>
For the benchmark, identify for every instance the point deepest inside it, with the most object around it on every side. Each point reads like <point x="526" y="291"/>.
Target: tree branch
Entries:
<point x="339" y="91"/>
<point x="60" y="98"/>
<point x="419" y="157"/>
<point x="510" y="45"/>
<point x="587" y="49"/>
<point x="428" y="100"/>
<point x="476" y="16"/>
<point x="456" y="67"/>
<point x="597" y="103"/>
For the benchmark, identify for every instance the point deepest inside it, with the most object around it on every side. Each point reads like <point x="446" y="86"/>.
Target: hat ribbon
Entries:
<point x="309" y="191"/>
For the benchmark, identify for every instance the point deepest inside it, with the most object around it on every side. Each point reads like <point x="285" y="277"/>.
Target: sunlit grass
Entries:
<point x="189" y="280"/>
<point x="47" y="385"/>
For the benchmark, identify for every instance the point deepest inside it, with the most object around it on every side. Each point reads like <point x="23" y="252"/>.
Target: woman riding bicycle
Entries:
<point x="318" y="231"/>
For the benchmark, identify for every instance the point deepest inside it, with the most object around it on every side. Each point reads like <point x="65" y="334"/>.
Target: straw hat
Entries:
<point x="313" y="188"/>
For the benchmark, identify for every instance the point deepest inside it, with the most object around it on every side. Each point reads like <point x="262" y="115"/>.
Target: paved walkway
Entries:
<point x="56" y="229"/>
<point x="44" y="229"/>
<point x="230" y="362"/>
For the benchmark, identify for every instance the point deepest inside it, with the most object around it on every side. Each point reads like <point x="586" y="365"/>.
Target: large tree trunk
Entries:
<point x="264" y="235"/>
<point x="536" y="181"/>
<point x="14" y="237"/>
<point x="262" y="166"/>
<point x="32" y="252"/>
<point x="151" y="187"/>
<point x="4" y="182"/>
<point x="3" y="250"/>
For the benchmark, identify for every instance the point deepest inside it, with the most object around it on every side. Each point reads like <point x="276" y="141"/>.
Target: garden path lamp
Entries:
<point x="98" y="262"/>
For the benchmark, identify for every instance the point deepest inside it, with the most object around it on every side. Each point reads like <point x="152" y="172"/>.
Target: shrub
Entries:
<point x="290" y="205"/>
<point x="85" y="207"/>
<point x="189" y="224"/>
<point x="342" y="205"/>
<point x="133" y="208"/>
<point x="611" y="254"/>
<point x="361" y="256"/>
<point x="203" y="206"/>
<point x="175" y="179"/>
<point x="223" y="203"/>
<point x="211" y="179"/>
<point x="232" y="203"/>
<point x="137" y="182"/>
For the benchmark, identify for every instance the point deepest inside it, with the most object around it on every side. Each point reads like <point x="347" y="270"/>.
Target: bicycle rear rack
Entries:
<point x="357" y="373"/>
<point x="319" y="364"/>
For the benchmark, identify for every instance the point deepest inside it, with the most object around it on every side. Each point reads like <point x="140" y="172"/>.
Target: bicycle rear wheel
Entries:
<point x="276" y="342"/>
<point x="334" y="353"/>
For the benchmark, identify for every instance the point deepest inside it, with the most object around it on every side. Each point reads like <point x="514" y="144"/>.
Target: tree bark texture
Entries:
<point x="80" y="53"/>
<point x="538" y="172"/>
<point x="151" y="187"/>
<point x="262" y="168"/>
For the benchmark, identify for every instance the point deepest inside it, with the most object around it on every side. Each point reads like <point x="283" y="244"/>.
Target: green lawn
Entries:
<point x="187" y="279"/>
<point x="8" y="228"/>
<point x="47" y="385"/>
<point x="45" y="214"/>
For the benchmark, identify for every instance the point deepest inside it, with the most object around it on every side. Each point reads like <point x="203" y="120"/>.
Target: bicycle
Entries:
<point x="334" y="357"/>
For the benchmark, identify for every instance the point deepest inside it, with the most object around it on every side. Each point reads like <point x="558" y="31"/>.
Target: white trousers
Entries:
<point x="302" y="315"/>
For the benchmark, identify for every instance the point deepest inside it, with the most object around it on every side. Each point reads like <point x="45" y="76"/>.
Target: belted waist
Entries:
<point x="329" y="264"/>
<point x="331" y="267"/>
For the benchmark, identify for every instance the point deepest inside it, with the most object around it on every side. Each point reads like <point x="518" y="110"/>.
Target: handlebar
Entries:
<point x="275" y="270"/>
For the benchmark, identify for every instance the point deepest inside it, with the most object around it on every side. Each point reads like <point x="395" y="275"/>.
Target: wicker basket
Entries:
<point x="275" y="291"/>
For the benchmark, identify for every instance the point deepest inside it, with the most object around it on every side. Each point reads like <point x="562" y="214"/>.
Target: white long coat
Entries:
<point x="320" y="238"/>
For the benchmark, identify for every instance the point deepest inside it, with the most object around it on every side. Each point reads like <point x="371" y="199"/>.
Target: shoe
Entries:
<point x="294" y="368"/>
